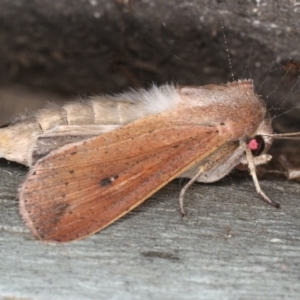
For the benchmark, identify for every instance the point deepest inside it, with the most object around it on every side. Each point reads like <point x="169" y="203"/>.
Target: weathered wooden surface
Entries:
<point x="231" y="246"/>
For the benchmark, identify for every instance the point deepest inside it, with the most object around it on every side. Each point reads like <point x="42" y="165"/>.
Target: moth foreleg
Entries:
<point x="214" y="167"/>
<point x="184" y="189"/>
<point x="258" y="160"/>
<point x="290" y="172"/>
<point x="252" y="170"/>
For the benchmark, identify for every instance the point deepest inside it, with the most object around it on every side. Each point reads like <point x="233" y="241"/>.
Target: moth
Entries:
<point x="92" y="162"/>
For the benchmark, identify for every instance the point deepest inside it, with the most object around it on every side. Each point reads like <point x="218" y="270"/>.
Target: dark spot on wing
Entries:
<point x="108" y="180"/>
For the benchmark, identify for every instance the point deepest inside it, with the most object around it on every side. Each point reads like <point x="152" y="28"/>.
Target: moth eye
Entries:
<point x="256" y="145"/>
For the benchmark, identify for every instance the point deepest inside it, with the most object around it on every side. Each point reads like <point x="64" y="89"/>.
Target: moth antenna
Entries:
<point x="184" y="189"/>
<point x="252" y="170"/>
<point x="225" y="41"/>
<point x="285" y="136"/>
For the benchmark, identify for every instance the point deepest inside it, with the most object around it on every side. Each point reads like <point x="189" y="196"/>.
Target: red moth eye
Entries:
<point x="256" y="145"/>
<point x="253" y="144"/>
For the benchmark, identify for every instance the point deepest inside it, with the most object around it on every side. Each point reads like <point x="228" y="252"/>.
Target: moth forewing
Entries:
<point x="69" y="194"/>
<point x="83" y="187"/>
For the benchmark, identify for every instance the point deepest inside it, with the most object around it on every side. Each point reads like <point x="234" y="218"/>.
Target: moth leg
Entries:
<point x="184" y="189"/>
<point x="251" y="166"/>
<point x="284" y="168"/>
<point x="289" y="171"/>
<point x="258" y="160"/>
<point x="214" y="167"/>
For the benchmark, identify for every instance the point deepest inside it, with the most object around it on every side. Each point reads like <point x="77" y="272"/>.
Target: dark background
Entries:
<point x="73" y="48"/>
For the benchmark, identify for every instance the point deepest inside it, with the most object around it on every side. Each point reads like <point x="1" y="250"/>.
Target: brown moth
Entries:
<point x="93" y="162"/>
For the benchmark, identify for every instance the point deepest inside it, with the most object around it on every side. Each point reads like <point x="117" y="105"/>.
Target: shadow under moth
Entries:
<point x="92" y="162"/>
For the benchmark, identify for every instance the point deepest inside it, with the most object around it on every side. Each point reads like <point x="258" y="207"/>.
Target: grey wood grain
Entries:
<point x="231" y="246"/>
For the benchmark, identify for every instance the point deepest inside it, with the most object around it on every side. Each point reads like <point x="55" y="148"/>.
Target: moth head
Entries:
<point x="262" y="140"/>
